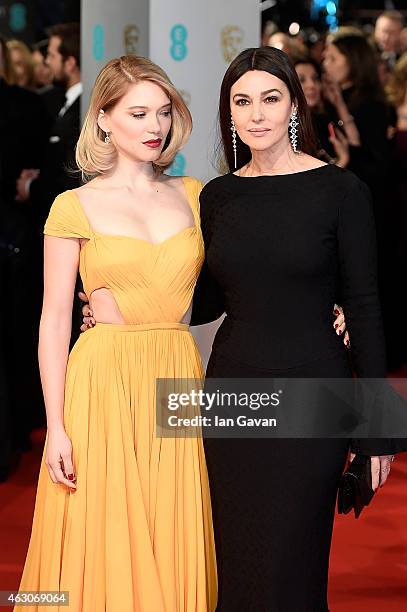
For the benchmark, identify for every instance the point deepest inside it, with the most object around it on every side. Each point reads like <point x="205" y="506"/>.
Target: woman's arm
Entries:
<point x="61" y="260"/>
<point x="333" y="93"/>
<point x="208" y="300"/>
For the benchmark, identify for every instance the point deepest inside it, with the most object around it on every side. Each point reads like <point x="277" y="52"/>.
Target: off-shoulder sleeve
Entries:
<point x="208" y="301"/>
<point x="66" y="219"/>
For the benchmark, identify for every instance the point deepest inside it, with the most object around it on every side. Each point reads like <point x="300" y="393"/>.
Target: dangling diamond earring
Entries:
<point x="107" y="138"/>
<point x="233" y="128"/>
<point x="293" y="130"/>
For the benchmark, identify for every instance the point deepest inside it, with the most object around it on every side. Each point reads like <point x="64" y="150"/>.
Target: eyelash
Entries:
<point x="273" y="98"/>
<point x="141" y="115"/>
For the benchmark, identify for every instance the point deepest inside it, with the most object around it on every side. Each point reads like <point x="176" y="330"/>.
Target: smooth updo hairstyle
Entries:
<point x="278" y="64"/>
<point x="93" y="155"/>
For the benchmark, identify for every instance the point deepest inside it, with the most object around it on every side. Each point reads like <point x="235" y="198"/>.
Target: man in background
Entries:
<point x="42" y="185"/>
<point x="387" y="36"/>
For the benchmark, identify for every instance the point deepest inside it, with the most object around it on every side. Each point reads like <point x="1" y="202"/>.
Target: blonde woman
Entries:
<point x="122" y="518"/>
<point x="22" y="62"/>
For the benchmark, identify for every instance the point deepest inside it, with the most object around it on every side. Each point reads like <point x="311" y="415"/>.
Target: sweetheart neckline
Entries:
<point x="151" y="244"/>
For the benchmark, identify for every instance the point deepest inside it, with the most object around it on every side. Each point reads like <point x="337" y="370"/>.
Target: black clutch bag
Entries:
<point x="355" y="488"/>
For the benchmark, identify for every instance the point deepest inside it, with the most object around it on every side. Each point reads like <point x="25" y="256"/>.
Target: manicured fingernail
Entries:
<point x="336" y="325"/>
<point x="70" y="476"/>
<point x="339" y="332"/>
<point x="336" y="311"/>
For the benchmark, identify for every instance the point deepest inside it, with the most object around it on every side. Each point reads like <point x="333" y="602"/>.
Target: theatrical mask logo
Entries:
<point x="186" y="96"/>
<point x="231" y="41"/>
<point x="131" y="39"/>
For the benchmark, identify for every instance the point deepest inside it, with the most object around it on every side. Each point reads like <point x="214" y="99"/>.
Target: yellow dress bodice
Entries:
<point x="150" y="282"/>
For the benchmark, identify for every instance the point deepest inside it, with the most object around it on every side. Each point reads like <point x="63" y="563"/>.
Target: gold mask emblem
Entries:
<point x="231" y="41"/>
<point x="131" y="39"/>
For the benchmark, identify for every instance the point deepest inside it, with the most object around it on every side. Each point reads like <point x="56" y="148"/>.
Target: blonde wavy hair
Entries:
<point x="93" y="155"/>
<point x="397" y="86"/>
<point x="18" y="45"/>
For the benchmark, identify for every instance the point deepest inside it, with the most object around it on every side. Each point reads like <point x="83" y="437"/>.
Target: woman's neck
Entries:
<point x="278" y="161"/>
<point x="131" y="175"/>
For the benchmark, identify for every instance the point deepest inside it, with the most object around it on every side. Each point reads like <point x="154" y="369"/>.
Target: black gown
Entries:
<point x="279" y="251"/>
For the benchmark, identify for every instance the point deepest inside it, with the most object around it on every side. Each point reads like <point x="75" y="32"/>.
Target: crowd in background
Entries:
<point x="355" y="83"/>
<point x="40" y="92"/>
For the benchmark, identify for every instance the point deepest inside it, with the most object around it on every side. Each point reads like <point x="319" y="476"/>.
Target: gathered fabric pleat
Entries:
<point x="136" y="535"/>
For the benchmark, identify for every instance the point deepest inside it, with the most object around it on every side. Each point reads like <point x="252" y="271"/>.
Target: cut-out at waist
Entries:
<point x="138" y="327"/>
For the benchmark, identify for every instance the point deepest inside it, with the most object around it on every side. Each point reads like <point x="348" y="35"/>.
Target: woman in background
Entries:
<point x="396" y="91"/>
<point x="332" y="143"/>
<point x="23" y="65"/>
<point x="353" y="86"/>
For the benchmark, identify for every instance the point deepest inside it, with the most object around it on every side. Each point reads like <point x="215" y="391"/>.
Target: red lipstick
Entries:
<point x="153" y="144"/>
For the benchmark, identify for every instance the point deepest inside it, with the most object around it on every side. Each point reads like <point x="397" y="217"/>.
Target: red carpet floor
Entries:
<point x="369" y="555"/>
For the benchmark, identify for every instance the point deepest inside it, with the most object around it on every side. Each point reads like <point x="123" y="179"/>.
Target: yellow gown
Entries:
<point x="136" y="535"/>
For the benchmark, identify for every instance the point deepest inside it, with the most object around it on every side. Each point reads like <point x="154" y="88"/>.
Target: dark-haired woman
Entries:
<point x="282" y="229"/>
<point x="331" y="147"/>
<point x="354" y="88"/>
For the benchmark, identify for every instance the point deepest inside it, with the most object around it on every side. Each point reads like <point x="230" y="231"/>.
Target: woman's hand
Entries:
<point x="381" y="465"/>
<point x="340" y="325"/>
<point x="88" y="320"/>
<point x="59" y="458"/>
<point x="341" y="145"/>
<point x="332" y="92"/>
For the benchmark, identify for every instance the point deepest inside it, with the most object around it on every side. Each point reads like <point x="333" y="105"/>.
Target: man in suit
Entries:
<point x="56" y="173"/>
<point x="52" y="95"/>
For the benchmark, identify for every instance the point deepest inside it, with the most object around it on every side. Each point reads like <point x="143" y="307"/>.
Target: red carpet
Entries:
<point x="369" y="555"/>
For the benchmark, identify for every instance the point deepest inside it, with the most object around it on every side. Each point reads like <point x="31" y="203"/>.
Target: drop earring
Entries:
<point x="233" y="128"/>
<point x="293" y="130"/>
<point x="107" y="138"/>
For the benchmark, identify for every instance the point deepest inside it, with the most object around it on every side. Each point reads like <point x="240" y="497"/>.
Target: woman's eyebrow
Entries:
<point x="147" y="108"/>
<point x="263" y="93"/>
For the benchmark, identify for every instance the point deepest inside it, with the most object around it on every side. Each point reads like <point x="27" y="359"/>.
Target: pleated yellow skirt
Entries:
<point x="136" y="535"/>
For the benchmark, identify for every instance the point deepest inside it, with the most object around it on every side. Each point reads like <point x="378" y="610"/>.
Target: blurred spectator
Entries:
<point x="353" y="86"/>
<point x="333" y="146"/>
<point x="397" y="92"/>
<point x="387" y="35"/>
<point x="397" y="95"/>
<point x="292" y="45"/>
<point x="269" y="29"/>
<point x="56" y="174"/>
<point x="42" y="73"/>
<point x="53" y="95"/>
<point x="403" y="40"/>
<point x="315" y="44"/>
<point x="22" y="63"/>
<point x="23" y="127"/>
<point x="280" y="40"/>
<point x="63" y="58"/>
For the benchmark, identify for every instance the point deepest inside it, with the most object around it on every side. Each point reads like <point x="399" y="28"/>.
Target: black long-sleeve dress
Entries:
<point x="275" y="249"/>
